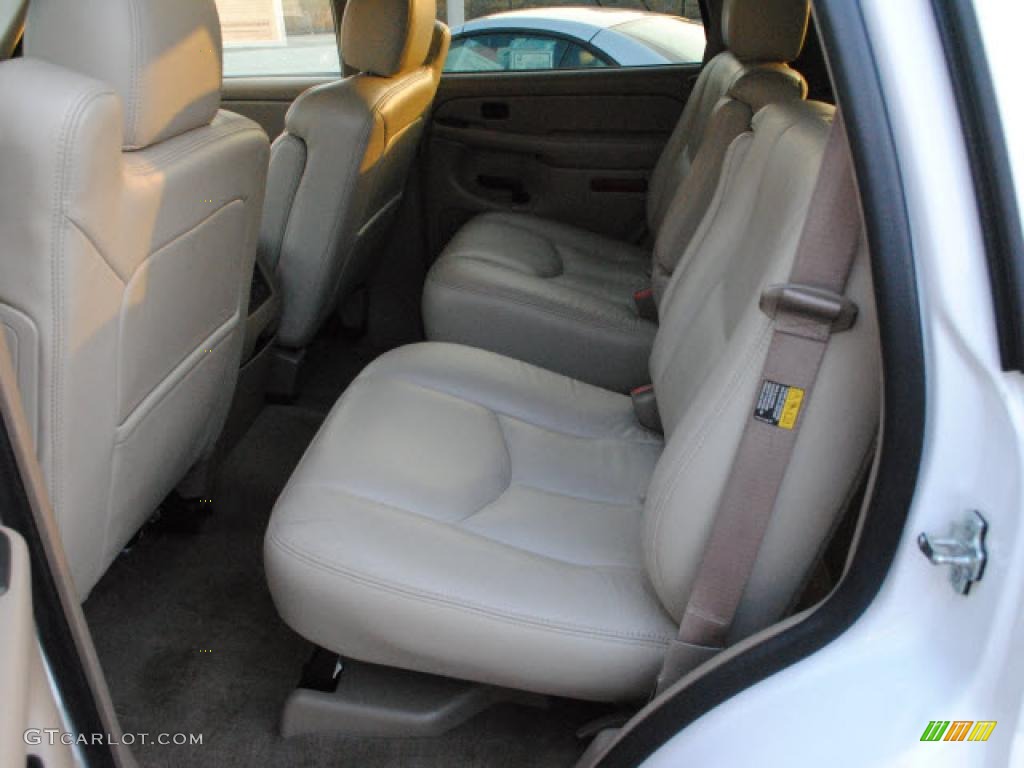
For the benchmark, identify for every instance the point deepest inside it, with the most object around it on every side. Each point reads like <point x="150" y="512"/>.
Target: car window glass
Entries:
<point x="578" y="57"/>
<point x="534" y="35"/>
<point x="289" y="38"/>
<point x="515" y="52"/>
<point x="676" y="39"/>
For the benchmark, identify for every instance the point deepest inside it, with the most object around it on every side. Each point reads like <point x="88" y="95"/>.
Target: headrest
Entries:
<point x="767" y="84"/>
<point x="162" y="57"/>
<point x="387" y="37"/>
<point x="440" y="42"/>
<point x="765" y="30"/>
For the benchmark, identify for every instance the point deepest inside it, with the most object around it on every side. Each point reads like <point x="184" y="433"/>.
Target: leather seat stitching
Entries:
<point x="513" y="417"/>
<point x="508" y="474"/>
<point x="337" y="488"/>
<point x="627" y="329"/>
<point x="403" y="84"/>
<point x="133" y="95"/>
<point x="57" y="265"/>
<point x="95" y="247"/>
<point x="536" y="622"/>
<point x="510" y="221"/>
<point x="145" y="162"/>
<point x="623" y="504"/>
<point x="191" y="230"/>
<point x="454" y="256"/>
<point x="181" y="371"/>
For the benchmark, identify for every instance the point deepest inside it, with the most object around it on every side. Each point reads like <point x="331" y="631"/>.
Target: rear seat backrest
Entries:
<point x="731" y="118"/>
<point x="761" y="37"/>
<point x="707" y="361"/>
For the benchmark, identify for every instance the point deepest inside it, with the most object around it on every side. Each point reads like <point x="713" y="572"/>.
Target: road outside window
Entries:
<point x="286" y="38"/>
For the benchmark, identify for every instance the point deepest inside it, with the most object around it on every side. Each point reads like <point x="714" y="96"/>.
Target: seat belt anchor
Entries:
<point x="646" y="306"/>
<point x="817" y="304"/>
<point x="645" y="405"/>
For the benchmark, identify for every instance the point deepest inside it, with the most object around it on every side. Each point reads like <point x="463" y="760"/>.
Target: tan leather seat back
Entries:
<point x="707" y="362"/>
<point x="129" y="210"/>
<point x="761" y="38"/>
<point x="338" y="172"/>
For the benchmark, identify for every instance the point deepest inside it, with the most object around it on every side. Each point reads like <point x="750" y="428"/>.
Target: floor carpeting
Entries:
<point x="191" y="643"/>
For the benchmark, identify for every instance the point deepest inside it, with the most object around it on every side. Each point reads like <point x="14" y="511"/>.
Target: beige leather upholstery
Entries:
<point x="706" y="369"/>
<point x="765" y="30"/>
<point x="338" y="172"/>
<point x="557" y="296"/>
<point x="459" y="507"/>
<point x="129" y="219"/>
<point x="523" y="287"/>
<point x="162" y="59"/>
<point x="387" y="37"/>
<point x="474" y="516"/>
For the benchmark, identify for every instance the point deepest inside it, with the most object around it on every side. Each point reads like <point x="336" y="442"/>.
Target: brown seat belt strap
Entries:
<point x="806" y="312"/>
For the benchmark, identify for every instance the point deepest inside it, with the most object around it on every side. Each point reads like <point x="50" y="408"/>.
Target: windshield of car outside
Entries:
<point x="674" y="38"/>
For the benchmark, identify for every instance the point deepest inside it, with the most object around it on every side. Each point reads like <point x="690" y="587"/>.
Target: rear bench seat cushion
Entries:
<point x="494" y="502"/>
<point x="551" y="294"/>
<point x="478" y="517"/>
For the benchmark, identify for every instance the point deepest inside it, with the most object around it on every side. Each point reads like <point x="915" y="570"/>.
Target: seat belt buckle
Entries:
<point x="645" y="406"/>
<point x="645" y="305"/>
<point x="817" y="304"/>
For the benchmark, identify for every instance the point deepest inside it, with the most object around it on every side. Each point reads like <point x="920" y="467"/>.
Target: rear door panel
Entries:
<point x="266" y="99"/>
<point x="576" y="146"/>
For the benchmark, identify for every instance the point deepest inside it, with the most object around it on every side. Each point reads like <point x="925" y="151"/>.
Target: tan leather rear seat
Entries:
<point x="467" y="514"/>
<point x="561" y="297"/>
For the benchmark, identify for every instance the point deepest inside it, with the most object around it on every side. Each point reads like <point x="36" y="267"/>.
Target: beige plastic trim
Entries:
<point x="236" y="89"/>
<point x="26" y="698"/>
<point x="35" y="488"/>
<point x="16" y="631"/>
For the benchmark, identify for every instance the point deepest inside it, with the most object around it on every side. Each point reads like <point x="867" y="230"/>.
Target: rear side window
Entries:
<point x="537" y="35"/>
<point x="518" y="52"/>
<point x="286" y="38"/>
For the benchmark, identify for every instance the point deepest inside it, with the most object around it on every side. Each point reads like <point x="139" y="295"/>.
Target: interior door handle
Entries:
<point x="494" y="110"/>
<point x="619" y="185"/>
<point x="504" y="188"/>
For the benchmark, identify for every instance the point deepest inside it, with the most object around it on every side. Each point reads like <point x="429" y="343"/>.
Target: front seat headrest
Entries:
<point x="387" y="37"/>
<point x="765" y="30"/>
<point x="162" y="57"/>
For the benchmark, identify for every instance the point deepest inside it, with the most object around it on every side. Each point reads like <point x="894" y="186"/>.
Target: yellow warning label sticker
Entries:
<point x="779" y="404"/>
<point x="791" y="408"/>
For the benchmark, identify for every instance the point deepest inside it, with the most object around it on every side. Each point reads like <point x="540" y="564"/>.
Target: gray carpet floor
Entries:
<point x="190" y="641"/>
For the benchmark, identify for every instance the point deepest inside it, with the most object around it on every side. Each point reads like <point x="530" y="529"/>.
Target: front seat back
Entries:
<point x="338" y="171"/>
<point x="129" y="209"/>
